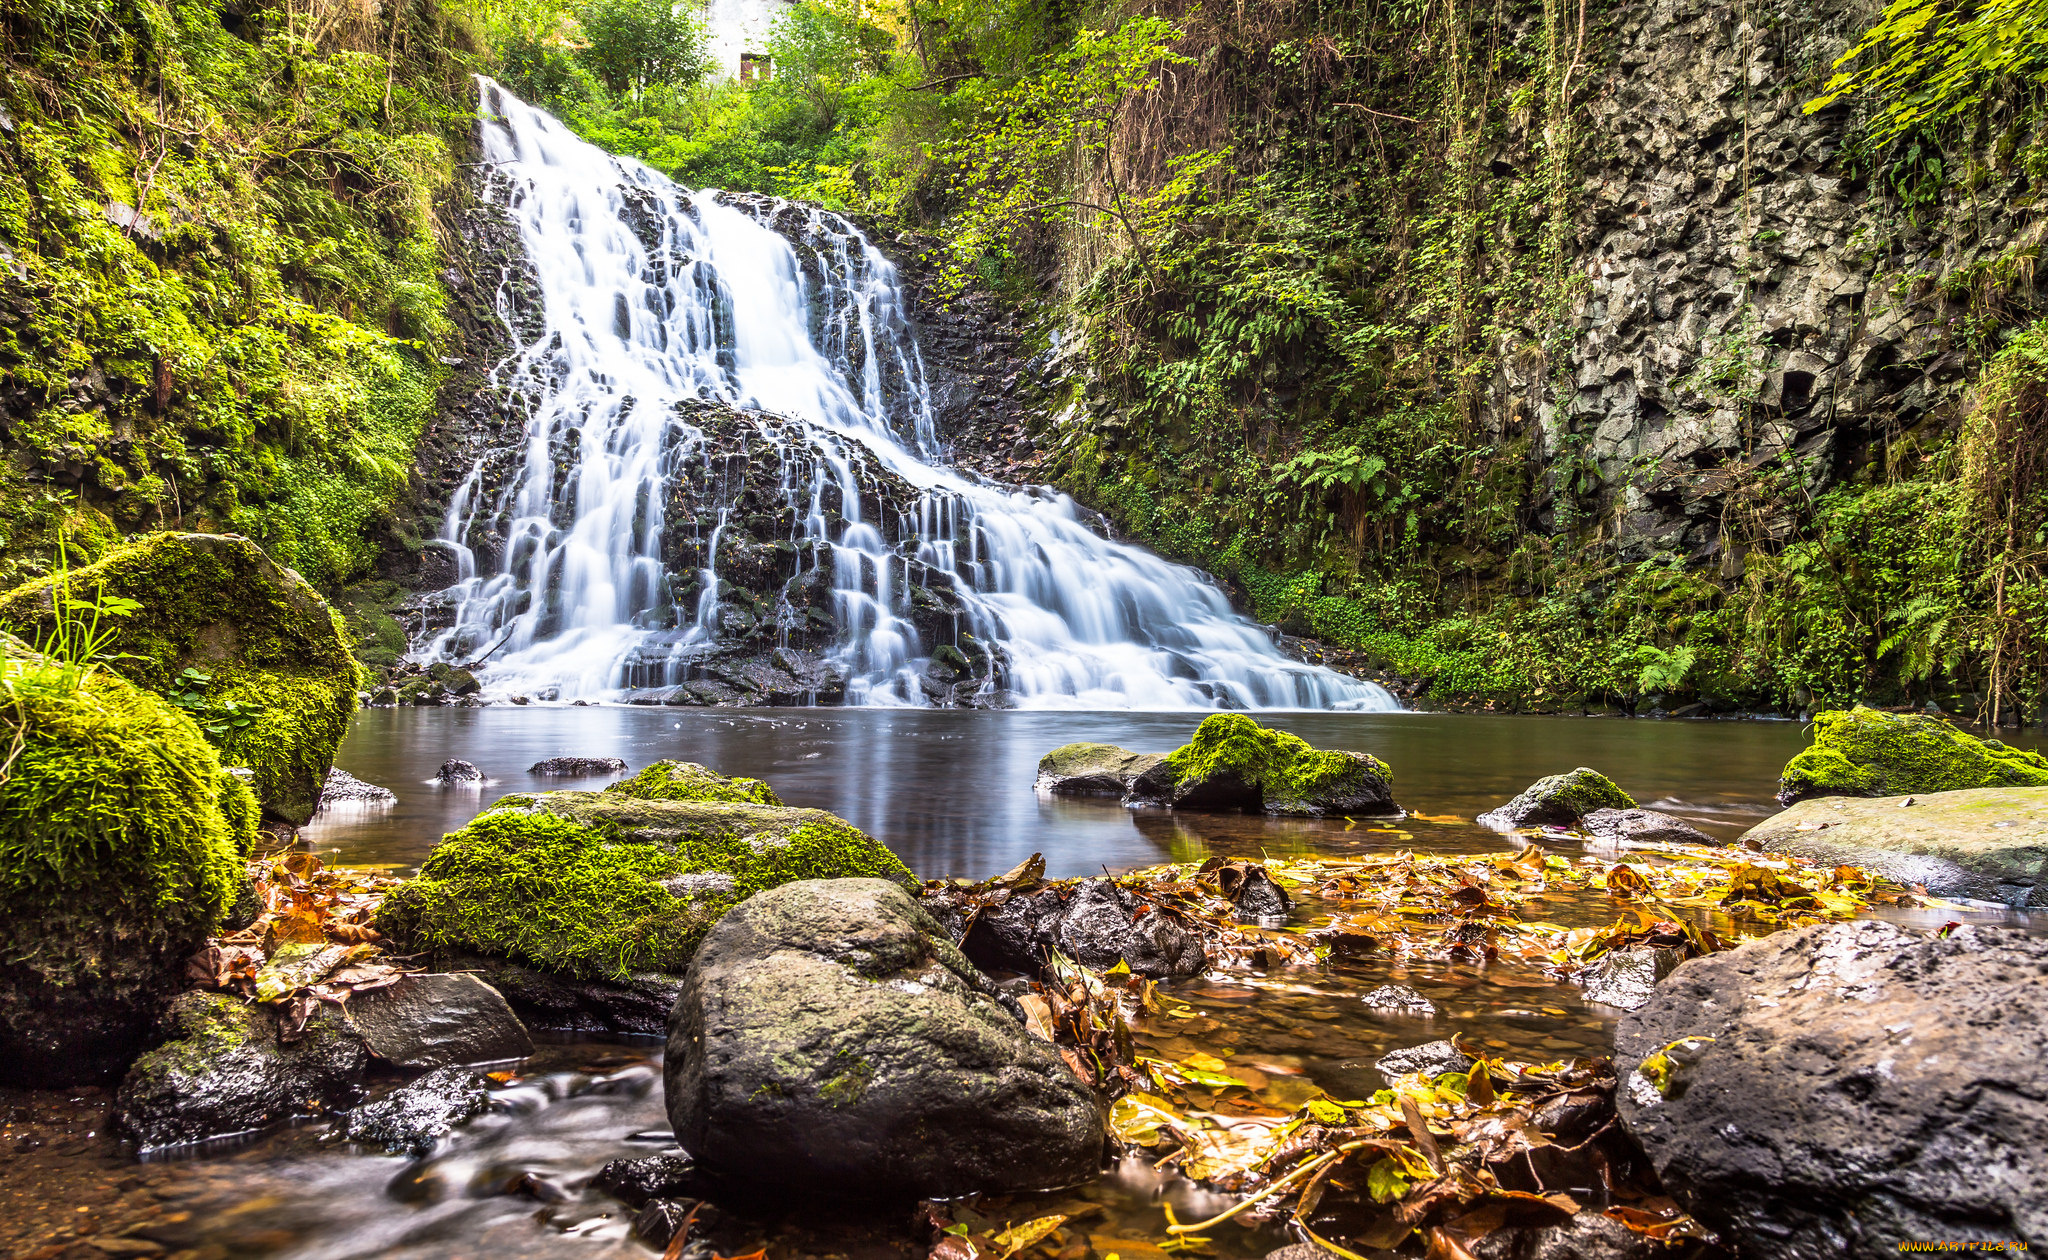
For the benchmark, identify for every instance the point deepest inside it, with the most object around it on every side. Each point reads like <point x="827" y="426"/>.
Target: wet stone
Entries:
<point x="1432" y="1058"/>
<point x="661" y="1220"/>
<point x="1399" y="999"/>
<point x="636" y="1181"/>
<point x="429" y="1021"/>
<point x="1258" y="897"/>
<point x="412" y="1118"/>
<point x="1628" y="977"/>
<point x="454" y="771"/>
<point x="578" y="766"/>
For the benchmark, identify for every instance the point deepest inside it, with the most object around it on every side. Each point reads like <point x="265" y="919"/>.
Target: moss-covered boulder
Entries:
<point x="1865" y="752"/>
<point x="1989" y="844"/>
<point x="1234" y="763"/>
<point x="605" y="885"/>
<point x="122" y="842"/>
<point x="247" y="647"/>
<point x="1093" y="769"/>
<point x="688" y="781"/>
<point x="1559" y="800"/>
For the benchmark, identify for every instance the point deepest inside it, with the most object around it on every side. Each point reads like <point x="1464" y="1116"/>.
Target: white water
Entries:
<point x="721" y="309"/>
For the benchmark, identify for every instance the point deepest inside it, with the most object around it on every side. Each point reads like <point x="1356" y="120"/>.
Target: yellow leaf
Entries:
<point x="1018" y="1237"/>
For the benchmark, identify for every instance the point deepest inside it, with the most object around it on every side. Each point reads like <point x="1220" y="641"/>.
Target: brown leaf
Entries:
<point x="353" y="934"/>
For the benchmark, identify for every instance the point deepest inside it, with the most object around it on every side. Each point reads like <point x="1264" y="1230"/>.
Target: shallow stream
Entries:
<point x="952" y="793"/>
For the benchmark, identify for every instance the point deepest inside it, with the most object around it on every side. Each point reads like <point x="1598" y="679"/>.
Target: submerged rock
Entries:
<point x="415" y="1116"/>
<point x="1864" y="752"/>
<point x="1628" y="977"/>
<point x="121" y="849"/>
<point x="636" y="1004"/>
<point x="342" y="787"/>
<point x="432" y="1021"/>
<point x="1642" y="826"/>
<point x="608" y="886"/>
<point x="1559" y="800"/>
<point x="1836" y="1090"/>
<point x="830" y="1041"/>
<point x="635" y="1181"/>
<point x="221" y="621"/>
<point x="225" y="1068"/>
<point x="661" y="1220"/>
<point x="1094" y="922"/>
<point x="1990" y="844"/>
<point x="569" y="767"/>
<point x="1093" y="769"/>
<point x="455" y="771"/>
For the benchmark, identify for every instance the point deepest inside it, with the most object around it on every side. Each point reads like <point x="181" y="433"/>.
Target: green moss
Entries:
<point x="121" y="848"/>
<point x="1865" y="752"/>
<point x="688" y="781"/>
<point x="1287" y="771"/>
<point x="600" y="884"/>
<point x="265" y="640"/>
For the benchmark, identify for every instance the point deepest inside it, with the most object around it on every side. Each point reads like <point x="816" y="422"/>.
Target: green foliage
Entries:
<point x="221" y="246"/>
<point x="633" y="45"/>
<point x="1926" y="62"/>
<point x="602" y="885"/>
<point x="1863" y="752"/>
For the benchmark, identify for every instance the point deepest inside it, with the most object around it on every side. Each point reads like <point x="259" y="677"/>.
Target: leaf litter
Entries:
<point x="1432" y="1164"/>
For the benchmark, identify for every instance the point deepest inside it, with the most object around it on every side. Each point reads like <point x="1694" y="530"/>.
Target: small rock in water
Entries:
<point x="1643" y="826"/>
<point x="635" y="1181"/>
<point x="1399" y="999"/>
<point x="1627" y="977"/>
<point x="661" y="1220"/>
<point x="453" y="771"/>
<point x="411" y="1118"/>
<point x="578" y="766"/>
<point x="341" y="786"/>
<point x="430" y="1021"/>
<point x="1258" y="897"/>
<point x="1560" y="800"/>
<point x="1432" y="1059"/>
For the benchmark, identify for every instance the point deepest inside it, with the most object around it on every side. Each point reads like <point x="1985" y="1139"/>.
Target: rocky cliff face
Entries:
<point x="1747" y="292"/>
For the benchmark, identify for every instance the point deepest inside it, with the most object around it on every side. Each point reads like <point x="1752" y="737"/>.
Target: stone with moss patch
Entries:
<point x="1093" y="769"/>
<point x="1559" y="800"/>
<point x="611" y="886"/>
<point x="278" y="683"/>
<point x="122" y="843"/>
<point x="688" y="781"/>
<point x="1234" y="763"/>
<point x="1988" y="844"/>
<point x="1865" y="752"/>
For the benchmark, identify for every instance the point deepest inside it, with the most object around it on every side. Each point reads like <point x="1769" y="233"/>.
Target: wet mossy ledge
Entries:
<point x="244" y="645"/>
<point x="611" y="885"/>
<point x="1867" y="752"/>
<point x="1231" y="763"/>
<point x="122" y="843"/>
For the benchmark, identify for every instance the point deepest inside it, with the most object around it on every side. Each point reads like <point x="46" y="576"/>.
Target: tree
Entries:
<point x="1928" y="61"/>
<point x="632" y="45"/>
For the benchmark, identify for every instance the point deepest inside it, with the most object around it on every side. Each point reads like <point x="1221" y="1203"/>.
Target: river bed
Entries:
<point x="952" y="793"/>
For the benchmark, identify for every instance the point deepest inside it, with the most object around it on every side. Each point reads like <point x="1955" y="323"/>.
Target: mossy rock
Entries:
<point x="1093" y="769"/>
<point x="1865" y="752"/>
<point x="217" y="604"/>
<point x="122" y="843"/>
<point x="1234" y="763"/>
<point x="1559" y="800"/>
<point x="688" y="781"/>
<point x="606" y="885"/>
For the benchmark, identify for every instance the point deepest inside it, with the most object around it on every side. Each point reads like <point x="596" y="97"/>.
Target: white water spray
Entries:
<point x="654" y="296"/>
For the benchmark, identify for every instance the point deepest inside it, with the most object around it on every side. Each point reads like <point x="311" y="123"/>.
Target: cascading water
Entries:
<point x="656" y="302"/>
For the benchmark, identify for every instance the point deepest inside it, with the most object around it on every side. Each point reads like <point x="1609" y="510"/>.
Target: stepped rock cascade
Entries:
<point x="671" y="320"/>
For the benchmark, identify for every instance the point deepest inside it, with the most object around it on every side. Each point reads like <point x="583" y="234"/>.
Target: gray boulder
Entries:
<point x="1093" y="769"/>
<point x="1399" y="1000"/>
<point x="1988" y="844"/>
<point x="413" y="1117"/>
<point x="431" y="1021"/>
<point x="1642" y="826"/>
<point x="831" y="1041"/>
<point x="635" y="1181"/>
<point x="1842" y="1089"/>
<point x="343" y="788"/>
<point x="636" y="1005"/>
<point x="1558" y="800"/>
<point x="454" y="771"/>
<point x="225" y="1068"/>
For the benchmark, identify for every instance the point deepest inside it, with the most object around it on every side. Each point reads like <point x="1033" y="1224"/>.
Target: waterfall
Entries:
<point x="660" y="305"/>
